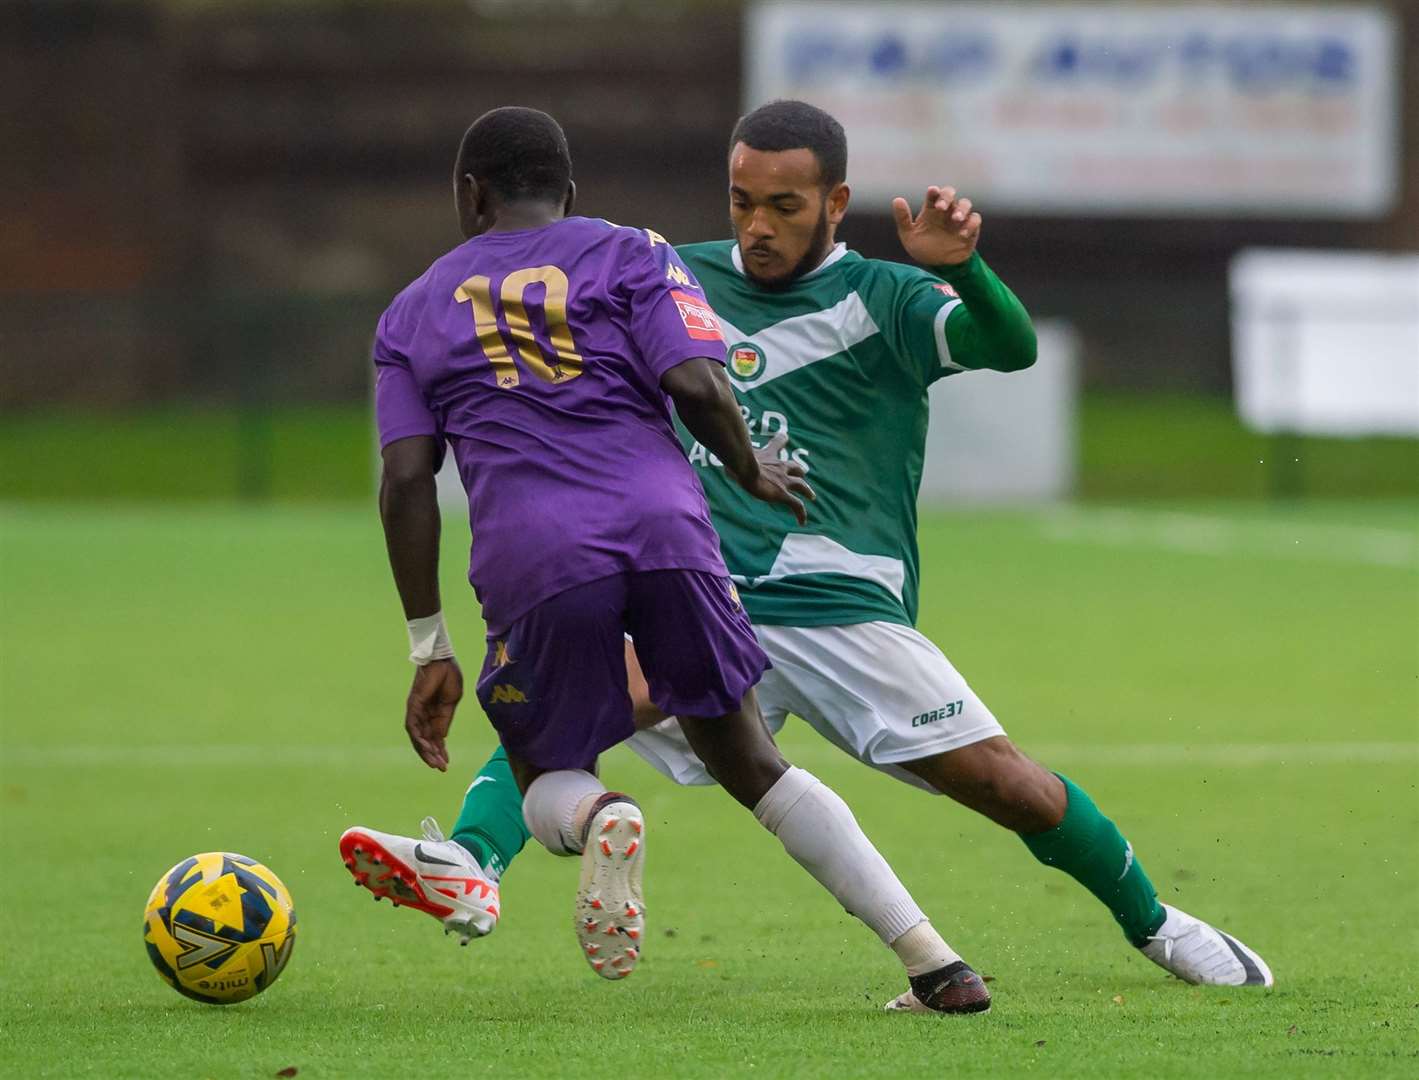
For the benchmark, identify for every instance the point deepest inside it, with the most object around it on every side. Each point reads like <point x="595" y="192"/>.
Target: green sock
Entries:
<point x="490" y="824"/>
<point x="1089" y="848"/>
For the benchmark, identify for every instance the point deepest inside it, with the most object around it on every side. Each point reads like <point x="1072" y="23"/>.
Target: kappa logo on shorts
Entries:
<point x="504" y="694"/>
<point x="734" y="595"/>
<point x="500" y="654"/>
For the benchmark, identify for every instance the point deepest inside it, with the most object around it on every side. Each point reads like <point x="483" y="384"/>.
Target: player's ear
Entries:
<point x="570" y="200"/>
<point x="465" y="198"/>
<point x="479" y="197"/>
<point x="472" y="205"/>
<point x="837" y="203"/>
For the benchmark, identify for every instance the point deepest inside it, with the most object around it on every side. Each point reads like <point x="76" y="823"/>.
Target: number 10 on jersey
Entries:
<point x="520" y="347"/>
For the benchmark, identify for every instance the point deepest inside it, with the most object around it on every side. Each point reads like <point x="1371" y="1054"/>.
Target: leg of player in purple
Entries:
<point x="701" y="660"/>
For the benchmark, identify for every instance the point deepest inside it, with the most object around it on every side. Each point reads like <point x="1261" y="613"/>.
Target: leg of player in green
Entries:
<point x="490" y="824"/>
<point x="874" y="705"/>
<point x="1089" y="848"/>
<point x="454" y="880"/>
<point x="1058" y="822"/>
<point x="1063" y="828"/>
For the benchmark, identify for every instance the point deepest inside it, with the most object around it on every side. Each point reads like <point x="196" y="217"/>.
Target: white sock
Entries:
<point x="818" y="830"/>
<point x="556" y="805"/>
<point x="921" y="949"/>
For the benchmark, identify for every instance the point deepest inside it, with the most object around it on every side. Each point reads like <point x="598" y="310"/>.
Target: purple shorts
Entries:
<point x="554" y="684"/>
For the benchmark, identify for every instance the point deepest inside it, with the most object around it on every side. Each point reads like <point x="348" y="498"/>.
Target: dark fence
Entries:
<point x="208" y="202"/>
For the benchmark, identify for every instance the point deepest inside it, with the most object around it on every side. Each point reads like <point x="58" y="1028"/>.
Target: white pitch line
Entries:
<point x="1173" y="755"/>
<point x="1216" y="755"/>
<point x="199" y="756"/>
<point x="1234" y="754"/>
<point x="1202" y="534"/>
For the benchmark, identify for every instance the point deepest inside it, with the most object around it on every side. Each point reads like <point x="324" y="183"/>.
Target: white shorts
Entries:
<point x="879" y="691"/>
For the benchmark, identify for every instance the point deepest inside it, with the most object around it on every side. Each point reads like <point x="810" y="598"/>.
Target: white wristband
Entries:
<point x="428" y="639"/>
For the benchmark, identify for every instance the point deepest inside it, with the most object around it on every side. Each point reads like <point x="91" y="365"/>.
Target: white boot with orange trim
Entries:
<point x="433" y="875"/>
<point x="610" y="911"/>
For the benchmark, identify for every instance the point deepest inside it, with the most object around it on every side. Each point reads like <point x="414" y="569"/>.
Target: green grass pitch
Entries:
<point x="1236" y="686"/>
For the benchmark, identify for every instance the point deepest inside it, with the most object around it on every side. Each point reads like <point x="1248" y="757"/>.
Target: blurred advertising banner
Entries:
<point x="1267" y="110"/>
<point x="1326" y="342"/>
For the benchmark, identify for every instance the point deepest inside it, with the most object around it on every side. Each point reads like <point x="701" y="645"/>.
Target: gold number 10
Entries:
<point x="520" y="346"/>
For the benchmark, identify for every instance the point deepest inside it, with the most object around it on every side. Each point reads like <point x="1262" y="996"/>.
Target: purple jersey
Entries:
<point x="537" y="355"/>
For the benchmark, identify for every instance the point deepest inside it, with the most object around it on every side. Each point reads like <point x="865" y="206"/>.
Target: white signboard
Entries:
<point x="1098" y="108"/>
<point x="1325" y="342"/>
<point x="1006" y="437"/>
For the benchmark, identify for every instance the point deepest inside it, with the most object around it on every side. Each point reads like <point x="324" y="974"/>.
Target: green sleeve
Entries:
<point x="957" y="318"/>
<point x="990" y="328"/>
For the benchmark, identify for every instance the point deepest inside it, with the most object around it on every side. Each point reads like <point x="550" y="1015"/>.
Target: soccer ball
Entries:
<point x="219" y="927"/>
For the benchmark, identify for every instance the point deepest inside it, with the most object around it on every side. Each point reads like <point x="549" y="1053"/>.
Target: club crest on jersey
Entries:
<point x="698" y="316"/>
<point x="746" y="361"/>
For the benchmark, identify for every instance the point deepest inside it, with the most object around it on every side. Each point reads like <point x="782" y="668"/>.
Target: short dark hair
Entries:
<point x="794" y="125"/>
<point x="519" y="153"/>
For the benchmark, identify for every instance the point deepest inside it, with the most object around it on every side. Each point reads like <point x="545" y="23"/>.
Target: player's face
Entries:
<point x="783" y="219"/>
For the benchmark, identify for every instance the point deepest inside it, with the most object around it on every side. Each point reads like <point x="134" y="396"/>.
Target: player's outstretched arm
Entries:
<point x="705" y="402"/>
<point x="409" y="509"/>
<point x="992" y="329"/>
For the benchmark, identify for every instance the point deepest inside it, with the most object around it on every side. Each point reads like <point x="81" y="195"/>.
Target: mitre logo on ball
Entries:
<point x="746" y="360"/>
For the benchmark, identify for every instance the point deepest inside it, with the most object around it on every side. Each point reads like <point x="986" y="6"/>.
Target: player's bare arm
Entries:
<point x="408" y="507"/>
<point x="707" y="407"/>
<point x="944" y="232"/>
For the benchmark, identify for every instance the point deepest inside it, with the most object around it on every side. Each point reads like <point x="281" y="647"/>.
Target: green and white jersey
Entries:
<point x="840" y="361"/>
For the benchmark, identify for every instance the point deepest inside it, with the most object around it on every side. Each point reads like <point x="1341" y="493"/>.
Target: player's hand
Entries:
<point x="780" y="482"/>
<point x="944" y="233"/>
<point x="437" y="690"/>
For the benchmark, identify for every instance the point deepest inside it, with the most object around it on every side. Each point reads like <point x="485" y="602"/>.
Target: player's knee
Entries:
<point x="1023" y="799"/>
<point x="994" y="778"/>
<point x="738" y="751"/>
<point x="745" y="768"/>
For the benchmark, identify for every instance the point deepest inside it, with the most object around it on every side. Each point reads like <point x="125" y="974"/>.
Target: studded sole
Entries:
<point x="371" y="865"/>
<point x="386" y="876"/>
<point x="610" y="911"/>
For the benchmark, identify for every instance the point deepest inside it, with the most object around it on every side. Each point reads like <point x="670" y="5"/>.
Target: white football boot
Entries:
<point x="1198" y="953"/>
<point x="610" y="912"/>
<point x="432" y="875"/>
